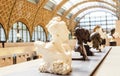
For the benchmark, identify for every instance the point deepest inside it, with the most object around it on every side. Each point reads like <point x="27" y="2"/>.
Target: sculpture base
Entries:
<point x="114" y="43"/>
<point x="57" y="67"/>
<point x="88" y="51"/>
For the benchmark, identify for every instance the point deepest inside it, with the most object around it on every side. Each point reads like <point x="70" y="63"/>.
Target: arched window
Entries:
<point x="38" y="34"/>
<point x="2" y="33"/>
<point x="19" y="33"/>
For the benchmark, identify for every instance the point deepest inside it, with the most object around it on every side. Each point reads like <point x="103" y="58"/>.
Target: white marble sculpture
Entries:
<point x="56" y="53"/>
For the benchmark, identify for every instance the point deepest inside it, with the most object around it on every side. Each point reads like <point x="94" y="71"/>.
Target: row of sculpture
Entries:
<point x="83" y="36"/>
<point x="98" y="38"/>
<point x="57" y="54"/>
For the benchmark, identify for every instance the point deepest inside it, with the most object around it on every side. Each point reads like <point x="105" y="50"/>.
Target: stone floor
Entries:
<point x="79" y="67"/>
<point x="111" y="65"/>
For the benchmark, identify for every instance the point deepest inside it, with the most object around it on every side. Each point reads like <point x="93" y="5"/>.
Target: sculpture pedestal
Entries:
<point x="89" y="52"/>
<point x="114" y="43"/>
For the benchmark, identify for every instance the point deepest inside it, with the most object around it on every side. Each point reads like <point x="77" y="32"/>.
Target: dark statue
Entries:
<point x="112" y="31"/>
<point x="112" y="41"/>
<point x="96" y="40"/>
<point x="83" y="36"/>
<point x="87" y="39"/>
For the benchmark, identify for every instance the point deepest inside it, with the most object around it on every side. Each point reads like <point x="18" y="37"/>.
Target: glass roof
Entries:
<point x="110" y="1"/>
<point x="66" y="6"/>
<point x="56" y="2"/>
<point x="94" y="10"/>
<point x="88" y="4"/>
<point x="70" y="3"/>
<point x="50" y="5"/>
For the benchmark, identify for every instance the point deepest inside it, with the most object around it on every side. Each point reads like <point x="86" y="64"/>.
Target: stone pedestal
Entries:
<point x="114" y="43"/>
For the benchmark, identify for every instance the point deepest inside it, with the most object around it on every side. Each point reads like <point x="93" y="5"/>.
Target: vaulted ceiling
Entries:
<point x="79" y="8"/>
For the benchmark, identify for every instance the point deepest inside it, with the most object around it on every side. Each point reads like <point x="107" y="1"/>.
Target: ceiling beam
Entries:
<point x="74" y="6"/>
<point x="73" y="17"/>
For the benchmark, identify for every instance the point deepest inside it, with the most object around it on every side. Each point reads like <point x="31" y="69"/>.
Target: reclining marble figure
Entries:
<point x="56" y="53"/>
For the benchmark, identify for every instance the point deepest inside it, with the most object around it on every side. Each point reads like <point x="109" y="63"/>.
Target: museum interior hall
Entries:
<point x="59" y="37"/>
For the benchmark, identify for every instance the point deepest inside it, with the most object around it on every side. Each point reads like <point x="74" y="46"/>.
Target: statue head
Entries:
<point x="96" y="28"/>
<point x="100" y="30"/>
<point x="112" y="31"/>
<point x="82" y="35"/>
<point x="95" y="35"/>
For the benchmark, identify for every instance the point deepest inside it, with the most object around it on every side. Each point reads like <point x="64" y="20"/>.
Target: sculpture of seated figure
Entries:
<point x="57" y="53"/>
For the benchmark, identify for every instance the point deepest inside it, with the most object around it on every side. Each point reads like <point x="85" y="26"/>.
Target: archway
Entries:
<point x="19" y="33"/>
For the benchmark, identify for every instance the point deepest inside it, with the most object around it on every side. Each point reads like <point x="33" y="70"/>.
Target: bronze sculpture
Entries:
<point x="82" y="37"/>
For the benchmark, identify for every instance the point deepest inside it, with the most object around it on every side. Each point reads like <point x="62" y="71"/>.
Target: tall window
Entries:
<point x="2" y="34"/>
<point x="38" y="34"/>
<point x="49" y="37"/>
<point x="19" y="33"/>
<point x="104" y="19"/>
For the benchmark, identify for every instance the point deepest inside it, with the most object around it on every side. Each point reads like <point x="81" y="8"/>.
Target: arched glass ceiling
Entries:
<point x="50" y="5"/>
<point x="88" y="4"/>
<point x="56" y="2"/>
<point x="110" y="1"/>
<point x="93" y="10"/>
<point x="70" y="3"/>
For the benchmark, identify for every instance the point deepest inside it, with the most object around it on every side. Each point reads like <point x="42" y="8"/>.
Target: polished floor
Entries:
<point x="111" y="65"/>
<point x="79" y="67"/>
